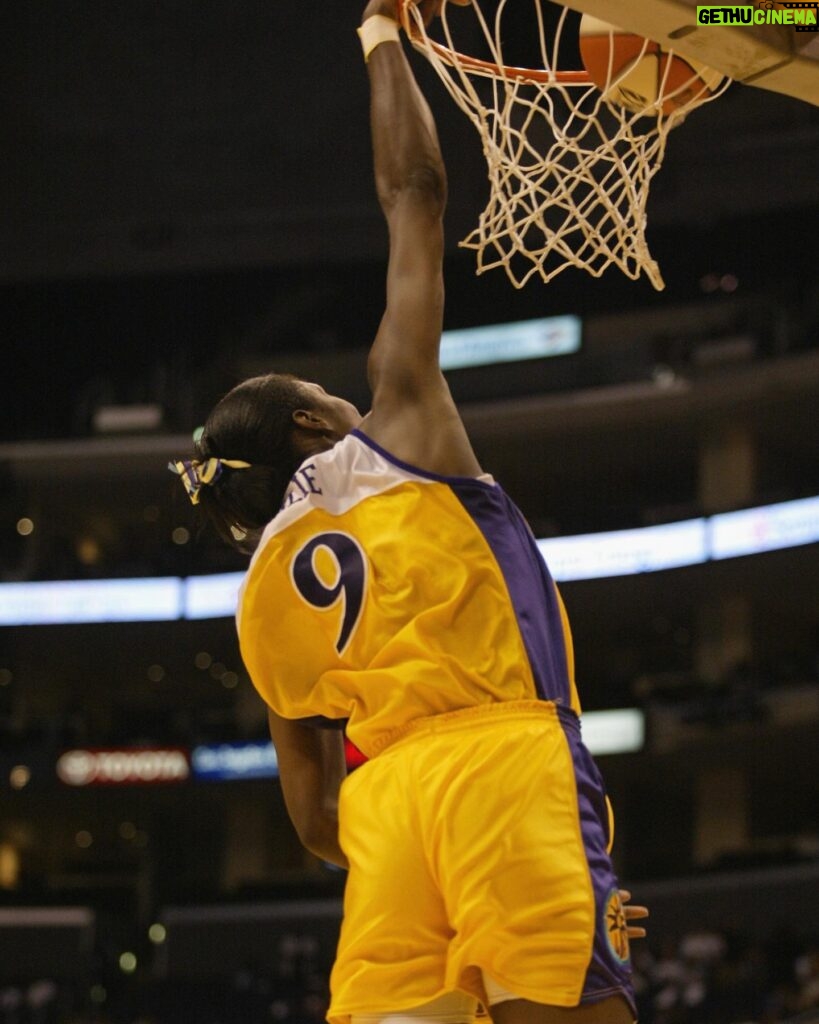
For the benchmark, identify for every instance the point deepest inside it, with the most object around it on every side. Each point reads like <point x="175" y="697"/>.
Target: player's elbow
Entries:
<point x="428" y="182"/>
<point x="309" y="824"/>
<point x="423" y="184"/>
<point x="318" y="833"/>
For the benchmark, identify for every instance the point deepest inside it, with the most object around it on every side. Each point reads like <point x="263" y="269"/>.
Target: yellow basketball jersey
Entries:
<point x="382" y="594"/>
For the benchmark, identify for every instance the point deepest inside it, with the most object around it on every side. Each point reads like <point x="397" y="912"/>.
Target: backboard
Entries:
<point x="779" y="58"/>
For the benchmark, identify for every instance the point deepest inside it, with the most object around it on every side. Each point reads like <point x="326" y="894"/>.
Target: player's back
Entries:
<point x="383" y="594"/>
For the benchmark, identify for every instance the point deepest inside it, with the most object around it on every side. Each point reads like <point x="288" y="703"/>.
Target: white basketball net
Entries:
<point x="569" y="172"/>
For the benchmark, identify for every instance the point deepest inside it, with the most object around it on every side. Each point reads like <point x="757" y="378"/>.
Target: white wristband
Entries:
<point x="377" y="30"/>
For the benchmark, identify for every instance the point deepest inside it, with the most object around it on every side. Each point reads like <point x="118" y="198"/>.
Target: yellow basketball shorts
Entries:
<point x="478" y="843"/>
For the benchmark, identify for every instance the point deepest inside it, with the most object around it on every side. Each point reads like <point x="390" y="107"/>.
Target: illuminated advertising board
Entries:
<point x="221" y="762"/>
<point x="123" y="767"/>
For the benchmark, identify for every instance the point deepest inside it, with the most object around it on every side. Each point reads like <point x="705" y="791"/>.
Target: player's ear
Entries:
<point x="311" y="432"/>
<point x="309" y="419"/>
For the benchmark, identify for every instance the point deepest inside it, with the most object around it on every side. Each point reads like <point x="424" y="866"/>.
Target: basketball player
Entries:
<point x="396" y="587"/>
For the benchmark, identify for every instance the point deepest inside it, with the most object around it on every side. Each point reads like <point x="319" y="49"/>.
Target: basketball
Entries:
<point x="638" y="74"/>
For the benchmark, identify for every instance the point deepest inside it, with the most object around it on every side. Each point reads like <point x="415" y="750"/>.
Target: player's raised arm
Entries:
<point x="410" y="181"/>
<point x="412" y="413"/>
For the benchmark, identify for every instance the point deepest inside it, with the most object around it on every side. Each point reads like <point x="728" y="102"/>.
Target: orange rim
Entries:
<point x="486" y="67"/>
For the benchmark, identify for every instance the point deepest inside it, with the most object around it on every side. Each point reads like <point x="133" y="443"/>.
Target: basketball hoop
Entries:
<point x="569" y="165"/>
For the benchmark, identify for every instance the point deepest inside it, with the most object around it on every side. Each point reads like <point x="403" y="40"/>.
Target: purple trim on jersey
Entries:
<point x="531" y="588"/>
<point x="608" y="973"/>
<point x="414" y="469"/>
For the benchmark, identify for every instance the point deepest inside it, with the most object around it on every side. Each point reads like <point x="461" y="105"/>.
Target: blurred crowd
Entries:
<point x="722" y="978"/>
<point x="702" y="978"/>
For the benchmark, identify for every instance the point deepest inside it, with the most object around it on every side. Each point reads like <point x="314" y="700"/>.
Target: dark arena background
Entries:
<point x="188" y="199"/>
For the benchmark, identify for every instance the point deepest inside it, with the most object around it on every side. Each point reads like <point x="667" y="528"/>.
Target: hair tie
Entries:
<point x="196" y="475"/>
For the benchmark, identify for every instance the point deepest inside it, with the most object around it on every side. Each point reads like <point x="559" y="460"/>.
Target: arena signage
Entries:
<point x="226" y="761"/>
<point x="130" y="766"/>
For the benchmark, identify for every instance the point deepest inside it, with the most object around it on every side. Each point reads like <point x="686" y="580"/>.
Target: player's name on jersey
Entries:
<point x="302" y="485"/>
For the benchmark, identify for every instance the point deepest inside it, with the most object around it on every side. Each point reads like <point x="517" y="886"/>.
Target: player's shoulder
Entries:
<point x="333" y="482"/>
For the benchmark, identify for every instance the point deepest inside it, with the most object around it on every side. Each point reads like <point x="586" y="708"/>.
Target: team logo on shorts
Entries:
<point x="616" y="933"/>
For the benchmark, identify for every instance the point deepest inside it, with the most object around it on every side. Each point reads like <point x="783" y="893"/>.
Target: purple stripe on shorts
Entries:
<point x="609" y="971"/>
